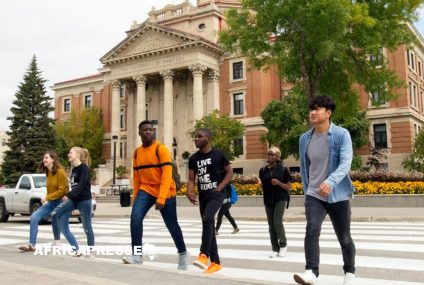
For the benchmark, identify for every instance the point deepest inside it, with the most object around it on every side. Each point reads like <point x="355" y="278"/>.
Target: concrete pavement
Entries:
<point x="293" y="214"/>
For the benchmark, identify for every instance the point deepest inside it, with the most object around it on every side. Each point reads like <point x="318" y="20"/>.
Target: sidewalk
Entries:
<point x="293" y="214"/>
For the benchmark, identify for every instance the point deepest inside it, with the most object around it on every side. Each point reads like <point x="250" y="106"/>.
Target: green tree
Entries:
<point x="224" y="131"/>
<point x="415" y="161"/>
<point x="31" y="131"/>
<point x="323" y="46"/>
<point x="84" y="129"/>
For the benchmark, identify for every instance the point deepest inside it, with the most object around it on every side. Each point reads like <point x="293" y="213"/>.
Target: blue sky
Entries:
<point x="68" y="38"/>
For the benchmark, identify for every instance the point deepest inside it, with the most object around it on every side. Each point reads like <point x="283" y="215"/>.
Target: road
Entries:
<point x="387" y="253"/>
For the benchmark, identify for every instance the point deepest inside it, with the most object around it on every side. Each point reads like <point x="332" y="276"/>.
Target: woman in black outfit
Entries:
<point x="225" y="211"/>
<point x="276" y="180"/>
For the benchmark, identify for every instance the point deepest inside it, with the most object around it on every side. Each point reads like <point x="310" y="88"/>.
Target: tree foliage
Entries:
<point x="84" y="129"/>
<point x="323" y="46"/>
<point x="415" y="161"/>
<point x="224" y="131"/>
<point x="31" y="131"/>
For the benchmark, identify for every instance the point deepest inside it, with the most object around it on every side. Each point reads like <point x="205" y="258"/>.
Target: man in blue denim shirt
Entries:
<point x="325" y="159"/>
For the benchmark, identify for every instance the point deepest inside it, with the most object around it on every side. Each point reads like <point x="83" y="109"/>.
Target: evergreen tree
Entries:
<point x="31" y="131"/>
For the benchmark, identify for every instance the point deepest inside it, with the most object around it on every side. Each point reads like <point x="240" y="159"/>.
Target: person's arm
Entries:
<point x="190" y="187"/>
<point x="166" y="179"/>
<point x="84" y="176"/>
<point x="286" y="183"/>
<point x="303" y="172"/>
<point x="136" y="177"/>
<point x="346" y="154"/>
<point x="62" y="186"/>
<point x="227" y="178"/>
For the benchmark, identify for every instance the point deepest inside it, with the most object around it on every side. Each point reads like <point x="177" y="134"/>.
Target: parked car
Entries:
<point x="26" y="197"/>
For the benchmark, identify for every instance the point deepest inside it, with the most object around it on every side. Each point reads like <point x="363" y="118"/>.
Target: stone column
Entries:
<point x="197" y="70"/>
<point x="116" y="109"/>
<point x="140" y="108"/>
<point x="168" y="108"/>
<point x="214" y="88"/>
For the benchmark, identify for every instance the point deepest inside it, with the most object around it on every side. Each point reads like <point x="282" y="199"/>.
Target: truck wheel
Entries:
<point x="35" y="207"/>
<point x="4" y="216"/>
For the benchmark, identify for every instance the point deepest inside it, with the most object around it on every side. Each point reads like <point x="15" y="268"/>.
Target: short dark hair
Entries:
<point x="145" y="122"/>
<point x="322" y="101"/>
<point x="206" y="131"/>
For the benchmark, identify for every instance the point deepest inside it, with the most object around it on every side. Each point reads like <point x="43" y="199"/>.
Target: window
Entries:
<point x="67" y="105"/>
<point x="377" y="95"/>
<point x="238" y="146"/>
<point x="415" y="130"/>
<point x="25" y="183"/>
<point x="380" y="136"/>
<point x="413" y="96"/>
<point x="378" y="58"/>
<point x="122" y="119"/>
<point x="87" y="101"/>
<point x="238" y="70"/>
<point x="420" y="72"/>
<point x="238" y="104"/>
<point x="122" y="91"/>
<point x="411" y="59"/>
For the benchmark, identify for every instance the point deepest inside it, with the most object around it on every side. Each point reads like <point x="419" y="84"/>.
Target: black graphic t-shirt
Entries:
<point x="80" y="183"/>
<point x="209" y="168"/>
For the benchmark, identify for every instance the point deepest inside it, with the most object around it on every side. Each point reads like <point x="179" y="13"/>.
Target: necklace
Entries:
<point x="272" y="169"/>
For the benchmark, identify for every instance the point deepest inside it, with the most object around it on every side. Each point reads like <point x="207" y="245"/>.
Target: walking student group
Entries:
<point x="325" y="154"/>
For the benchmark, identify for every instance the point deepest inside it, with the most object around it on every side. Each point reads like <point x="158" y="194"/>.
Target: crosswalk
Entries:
<point x="387" y="253"/>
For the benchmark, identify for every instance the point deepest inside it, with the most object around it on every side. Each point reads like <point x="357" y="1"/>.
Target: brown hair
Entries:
<point x="56" y="163"/>
<point x="84" y="155"/>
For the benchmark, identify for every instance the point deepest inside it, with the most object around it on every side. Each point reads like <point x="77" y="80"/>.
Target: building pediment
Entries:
<point x="150" y="39"/>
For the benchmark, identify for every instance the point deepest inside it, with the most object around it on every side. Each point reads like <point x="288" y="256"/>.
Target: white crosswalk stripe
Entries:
<point x="381" y="247"/>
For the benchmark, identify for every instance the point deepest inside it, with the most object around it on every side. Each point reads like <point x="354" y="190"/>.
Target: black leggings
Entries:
<point x="225" y="211"/>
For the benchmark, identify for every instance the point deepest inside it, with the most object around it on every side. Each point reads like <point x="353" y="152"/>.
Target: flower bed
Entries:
<point x="364" y="188"/>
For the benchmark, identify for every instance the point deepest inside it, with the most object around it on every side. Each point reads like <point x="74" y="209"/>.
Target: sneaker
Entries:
<point x="183" y="261"/>
<point x="282" y="252"/>
<point x="236" y="230"/>
<point x="349" y="279"/>
<point x="273" y="254"/>
<point x="214" y="267"/>
<point x="307" y="278"/>
<point x="201" y="261"/>
<point x="133" y="259"/>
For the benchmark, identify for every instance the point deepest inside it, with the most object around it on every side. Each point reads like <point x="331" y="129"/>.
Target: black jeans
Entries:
<point x="225" y="211"/>
<point x="340" y="214"/>
<point x="209" y="205"/>
<point x="277" y="233"/>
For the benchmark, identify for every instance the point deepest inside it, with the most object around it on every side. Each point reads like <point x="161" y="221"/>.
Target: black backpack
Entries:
<point x="175" y="175"/>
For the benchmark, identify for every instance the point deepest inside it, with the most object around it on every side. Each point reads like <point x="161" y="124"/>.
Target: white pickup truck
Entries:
<point x="26" y="197"/>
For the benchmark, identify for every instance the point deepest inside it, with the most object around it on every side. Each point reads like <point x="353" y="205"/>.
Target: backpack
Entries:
<point x="233" y="196"/>
<point x="175" y="175"/>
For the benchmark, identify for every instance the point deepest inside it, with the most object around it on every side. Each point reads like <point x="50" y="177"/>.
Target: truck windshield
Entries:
<point x="39" y="181"/>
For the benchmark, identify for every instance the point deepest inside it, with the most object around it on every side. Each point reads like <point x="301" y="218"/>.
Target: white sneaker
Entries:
<point x="183" y="261"/>
<point x="349" y="279"/>
<point x="282" y="252"/>
<point x="133" y="259"/>
<point x="273" y="254"/>
<point x="307" y="278"/>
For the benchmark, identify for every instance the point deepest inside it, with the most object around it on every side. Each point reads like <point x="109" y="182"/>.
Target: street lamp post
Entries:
<point x="114" y="139"/>
<point x="22" y="151"/>
<point x="174" y="148"/>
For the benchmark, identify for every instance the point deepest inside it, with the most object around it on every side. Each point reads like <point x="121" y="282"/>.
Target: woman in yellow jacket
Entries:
<point x="57" y="186"/>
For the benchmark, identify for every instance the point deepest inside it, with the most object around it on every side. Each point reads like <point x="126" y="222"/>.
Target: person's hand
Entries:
<point x="65" y="198"/>
<point x="159" y="206"/>
<point x="324" y="189"/>
<point x="274" y="181"/>
<point x="192" y="198"/>
<point x="43" y="201"/>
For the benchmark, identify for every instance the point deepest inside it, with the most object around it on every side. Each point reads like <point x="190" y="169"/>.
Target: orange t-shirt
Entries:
<point x="155" y="180"/>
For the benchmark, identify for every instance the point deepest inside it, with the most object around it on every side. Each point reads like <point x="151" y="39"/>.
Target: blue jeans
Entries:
<point x="143" y="202"/>
<point x="63" y="212"/>
<point x="339" y="213"/>
<point x="44" y="212"/>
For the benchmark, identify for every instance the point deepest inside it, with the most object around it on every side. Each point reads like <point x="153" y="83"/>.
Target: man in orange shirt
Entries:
<point x="153" y="185"/>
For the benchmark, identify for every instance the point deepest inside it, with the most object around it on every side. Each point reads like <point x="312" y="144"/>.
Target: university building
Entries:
<point x="171" y="69"/>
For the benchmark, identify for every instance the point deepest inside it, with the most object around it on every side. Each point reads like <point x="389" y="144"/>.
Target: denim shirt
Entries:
<point x="341" y="153"/>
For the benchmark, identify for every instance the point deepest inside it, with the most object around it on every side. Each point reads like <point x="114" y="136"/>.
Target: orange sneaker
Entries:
<point x="202" y="261"/>
<point x="214" y="267"/>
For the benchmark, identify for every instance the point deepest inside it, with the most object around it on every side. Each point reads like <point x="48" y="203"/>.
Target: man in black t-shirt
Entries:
<point x="214" y="173"/>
